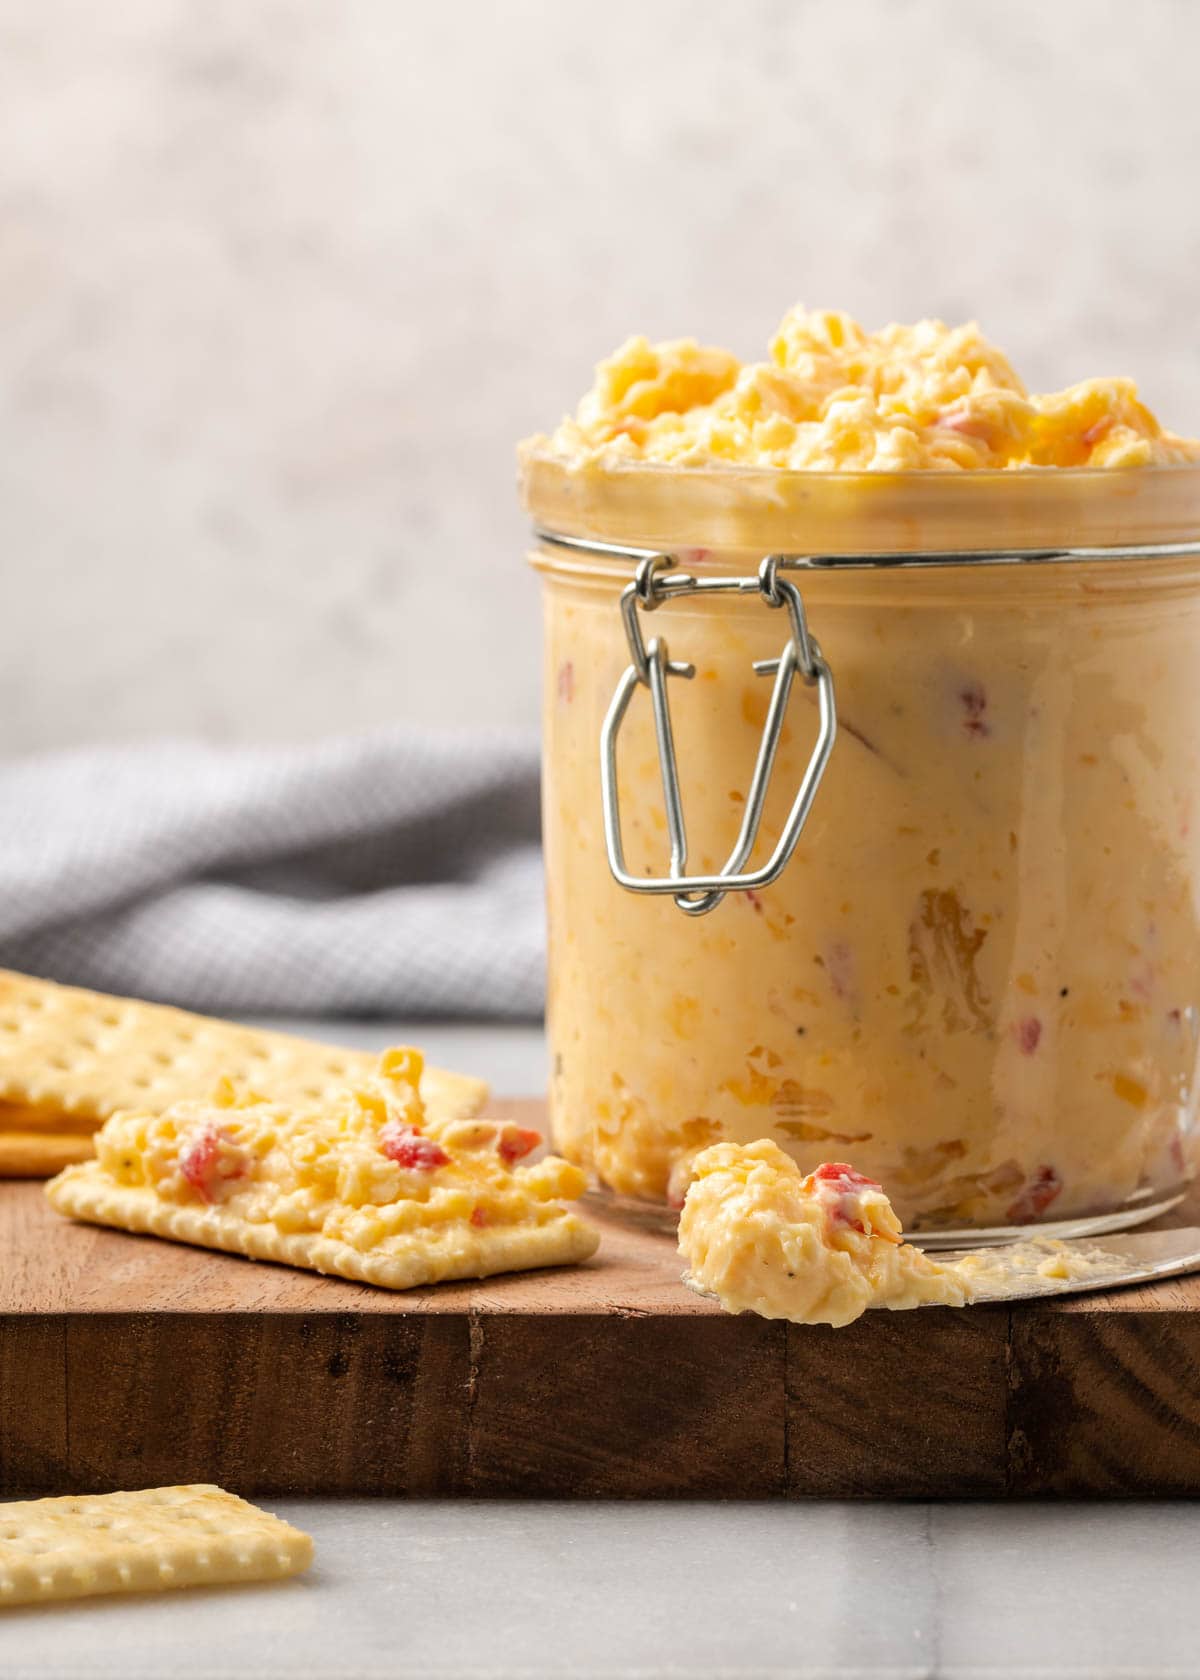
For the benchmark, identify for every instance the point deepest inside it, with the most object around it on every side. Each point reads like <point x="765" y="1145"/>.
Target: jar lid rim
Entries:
<point x="900" y="559"/>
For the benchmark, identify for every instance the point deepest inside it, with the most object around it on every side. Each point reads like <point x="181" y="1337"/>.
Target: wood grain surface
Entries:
<point x="126" y="1361"/>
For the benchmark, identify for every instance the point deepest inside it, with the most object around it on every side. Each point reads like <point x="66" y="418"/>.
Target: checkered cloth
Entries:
<point x="397" y="873"/>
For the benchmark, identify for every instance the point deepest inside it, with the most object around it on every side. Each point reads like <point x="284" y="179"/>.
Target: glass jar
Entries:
<point x="977" y="976"/>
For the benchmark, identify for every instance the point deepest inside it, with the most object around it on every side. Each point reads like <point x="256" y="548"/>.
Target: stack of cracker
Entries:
<point x="69" y="1059"/>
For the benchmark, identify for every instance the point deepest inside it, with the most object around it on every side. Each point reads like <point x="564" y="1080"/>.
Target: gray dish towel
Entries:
<point x="397" y="873"/>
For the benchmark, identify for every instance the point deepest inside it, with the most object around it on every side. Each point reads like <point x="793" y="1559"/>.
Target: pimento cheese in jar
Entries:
<point x="872" y="766"/>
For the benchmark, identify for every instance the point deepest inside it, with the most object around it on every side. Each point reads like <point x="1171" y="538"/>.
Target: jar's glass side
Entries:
<point x="979" y="977"/>
<point x="772" y="510"/>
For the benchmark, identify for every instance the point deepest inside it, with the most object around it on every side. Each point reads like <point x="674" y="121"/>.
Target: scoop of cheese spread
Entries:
<point x="833" y="396"/>
<point x="817" y="1249"/>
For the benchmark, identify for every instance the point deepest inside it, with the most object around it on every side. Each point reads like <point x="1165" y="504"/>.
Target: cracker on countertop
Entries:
<point x="83" y="1056"/>
<point x="141" y="1542"/>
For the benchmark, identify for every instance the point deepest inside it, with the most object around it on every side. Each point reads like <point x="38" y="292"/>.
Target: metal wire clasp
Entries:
<point x="653" y="584"/>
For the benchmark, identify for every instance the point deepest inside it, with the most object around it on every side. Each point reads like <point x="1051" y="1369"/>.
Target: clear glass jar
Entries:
<point x="978" y="977"/>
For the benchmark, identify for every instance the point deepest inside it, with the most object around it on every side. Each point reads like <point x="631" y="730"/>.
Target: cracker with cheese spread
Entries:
<point x="365" y="1184"/>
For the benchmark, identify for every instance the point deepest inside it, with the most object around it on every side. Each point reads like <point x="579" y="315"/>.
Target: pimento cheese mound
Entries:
<point x="818" y="1249"/>
<point x="362" y="1184"/>
<point x="833" y="396"/>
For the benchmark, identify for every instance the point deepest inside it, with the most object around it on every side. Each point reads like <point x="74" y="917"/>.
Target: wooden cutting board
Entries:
<point x="126" y="1361"/>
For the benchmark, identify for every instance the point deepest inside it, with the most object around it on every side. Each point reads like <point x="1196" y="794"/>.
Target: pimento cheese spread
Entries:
<point x="818" y="1249"/>
<point x="832" y="396"/>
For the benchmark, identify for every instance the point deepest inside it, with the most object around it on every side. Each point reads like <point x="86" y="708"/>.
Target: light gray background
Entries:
<point x="281" y="282"/>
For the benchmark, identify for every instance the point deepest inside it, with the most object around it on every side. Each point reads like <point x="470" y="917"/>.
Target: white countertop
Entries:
<point x="533" y="1589"/>
<point x="506" y="1589"/>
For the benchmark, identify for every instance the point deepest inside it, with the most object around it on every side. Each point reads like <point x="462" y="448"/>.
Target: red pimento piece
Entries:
<point x="405" y="1145"/>
<point x="1036" y="1197"/>
<point x="566" y="682"/>
<point x="516" y="1141"/>
<point x="1029" y="1034"/>
<point x="967" y="425"/>
<point x="753" y="900"/>
<point x="479" y="1218"/>
<point x="974" y="704"/>
<point x="199" y="1161"/>
<point x="839" y="965"/>
<point x="845" y="1177"/>
<point x="846" y="1183"/>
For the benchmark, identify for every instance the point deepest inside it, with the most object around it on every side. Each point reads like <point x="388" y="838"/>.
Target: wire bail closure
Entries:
<point x="654" y="584"/>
